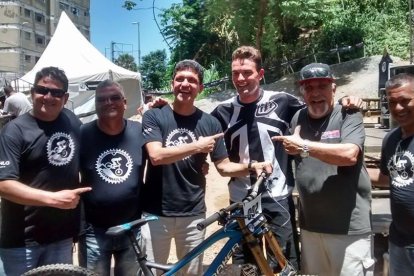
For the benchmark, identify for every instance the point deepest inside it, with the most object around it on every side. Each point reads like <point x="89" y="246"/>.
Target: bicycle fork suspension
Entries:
<point x="257" y="251"/>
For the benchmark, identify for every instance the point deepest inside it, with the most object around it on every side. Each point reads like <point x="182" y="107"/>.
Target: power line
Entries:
<point x="159" y="29"/>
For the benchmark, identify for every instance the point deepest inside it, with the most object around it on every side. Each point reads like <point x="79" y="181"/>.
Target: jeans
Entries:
<point x="96" y="250"/>
<point x="401" y="260"/>
<point x="17" y="261"/>
<point x="279" y="217"/>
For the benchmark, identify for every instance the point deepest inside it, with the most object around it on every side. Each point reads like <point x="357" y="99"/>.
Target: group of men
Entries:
<point x="43" y="151"/>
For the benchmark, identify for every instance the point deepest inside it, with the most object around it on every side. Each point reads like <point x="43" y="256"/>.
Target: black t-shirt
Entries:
<point x="178" y="189"/>
<point x="42" y="155"/>
<point x="397" y="161"/>
<point x="113" y="166"/>
<point x="248" y="131"/>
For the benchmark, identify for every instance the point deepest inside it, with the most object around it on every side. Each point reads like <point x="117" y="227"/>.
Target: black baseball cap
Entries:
<point x="315" y="71"/>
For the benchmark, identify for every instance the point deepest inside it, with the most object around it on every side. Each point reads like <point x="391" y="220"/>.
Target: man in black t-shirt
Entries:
<point x="397" y="172"/>
<point x="178" y="138"/>
<point x="39" y="179"/>
<point x="112" y="163"/>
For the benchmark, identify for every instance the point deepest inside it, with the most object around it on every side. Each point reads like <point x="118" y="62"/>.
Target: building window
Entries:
<point x="75" y="11"/>
<point x="37" y="59"/>
<point x="86" y="13"/>
<point x="40" y="40"/>
<point x="27" y="58"/>
<point x="27" y="13"/>
<point x="40" y="18"/>
<point x="27" y="36"/>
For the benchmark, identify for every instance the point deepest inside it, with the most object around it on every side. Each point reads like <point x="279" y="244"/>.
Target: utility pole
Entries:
<point x="113" y="51"/>
<point x="139" y="45"/>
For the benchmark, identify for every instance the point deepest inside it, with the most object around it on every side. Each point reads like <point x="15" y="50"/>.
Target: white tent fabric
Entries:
<point x="83" y="64"/>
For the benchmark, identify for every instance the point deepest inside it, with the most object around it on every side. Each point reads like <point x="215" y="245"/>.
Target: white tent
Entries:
<point x="84" y="66"/>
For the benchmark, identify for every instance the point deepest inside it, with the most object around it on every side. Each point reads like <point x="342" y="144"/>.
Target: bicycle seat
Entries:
<point x="121" y="229"/>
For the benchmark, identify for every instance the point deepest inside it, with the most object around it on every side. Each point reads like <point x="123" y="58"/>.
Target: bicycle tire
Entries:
<point x="60" y="270"/>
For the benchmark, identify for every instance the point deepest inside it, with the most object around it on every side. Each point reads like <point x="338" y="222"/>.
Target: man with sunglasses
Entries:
<point x="333" y="183"/>
<point x="112" y="163"/>
<point x="39" y="179"/>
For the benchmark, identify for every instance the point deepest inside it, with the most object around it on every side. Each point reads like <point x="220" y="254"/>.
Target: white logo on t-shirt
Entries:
<point x="114" y="165"/>
<point x="60" y="149"/>
<point x="264" y="109"/>
<point x="401" y="168"/>
<point x="179" y="137"/>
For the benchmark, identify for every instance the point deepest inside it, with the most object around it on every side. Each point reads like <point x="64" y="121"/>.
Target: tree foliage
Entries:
<point x="289" y="33"/>
<point x="153" y="69"/>
<point x="126" y="61"/>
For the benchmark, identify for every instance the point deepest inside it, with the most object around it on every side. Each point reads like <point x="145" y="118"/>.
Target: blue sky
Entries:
<point x="111" y="22"/>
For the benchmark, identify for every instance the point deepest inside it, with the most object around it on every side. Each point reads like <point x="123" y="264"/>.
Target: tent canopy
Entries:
<point x="84" y="66"/>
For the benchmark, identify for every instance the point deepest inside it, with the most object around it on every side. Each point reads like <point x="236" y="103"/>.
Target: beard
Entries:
<point x="319" y="111"/>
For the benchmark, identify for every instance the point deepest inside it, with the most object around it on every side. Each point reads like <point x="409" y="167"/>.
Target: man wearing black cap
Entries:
<point x="333" y="184"/>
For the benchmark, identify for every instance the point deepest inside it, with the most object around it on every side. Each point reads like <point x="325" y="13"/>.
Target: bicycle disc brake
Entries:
<point x="249" y="270"/>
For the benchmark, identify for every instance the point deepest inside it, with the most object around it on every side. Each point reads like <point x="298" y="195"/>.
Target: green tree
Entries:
<point x="289" y="33"/>
<point x="183" y="27"/>
<point x="126" y="61"/>
<point x="153" y="69"/>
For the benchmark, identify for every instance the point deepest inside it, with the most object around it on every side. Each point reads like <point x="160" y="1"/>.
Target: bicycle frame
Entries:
<point x="223" y="256"/>
<point x="234" y="229"/>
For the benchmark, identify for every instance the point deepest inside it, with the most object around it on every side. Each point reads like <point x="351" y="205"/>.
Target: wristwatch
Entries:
<point x="305" y="149"/>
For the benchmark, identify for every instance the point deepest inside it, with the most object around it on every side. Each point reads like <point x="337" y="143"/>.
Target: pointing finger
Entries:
<point x="218" y="135"/>
<point x="297" y="130"/>
<point x="277" y="138"/>
<point x="82" y="190"/>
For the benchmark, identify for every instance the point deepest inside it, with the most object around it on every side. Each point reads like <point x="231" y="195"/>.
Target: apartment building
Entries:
<point x="26" y="27"/>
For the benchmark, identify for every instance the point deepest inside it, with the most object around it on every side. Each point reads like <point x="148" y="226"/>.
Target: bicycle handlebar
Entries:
<point x="223" y="212"/>
<point x="255" y="188"/>
<point x="217" y="215"/>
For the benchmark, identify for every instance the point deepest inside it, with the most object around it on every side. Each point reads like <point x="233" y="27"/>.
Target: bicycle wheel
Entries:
<point x="60" y="270"/>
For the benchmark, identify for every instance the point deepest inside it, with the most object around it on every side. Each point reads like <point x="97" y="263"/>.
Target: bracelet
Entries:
<point x="249" y="166"/>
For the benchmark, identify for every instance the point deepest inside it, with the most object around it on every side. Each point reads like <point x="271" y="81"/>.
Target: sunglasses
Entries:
<point x="55" y="92"/>
<point x="315" y="73"/>
<point x="113" y="99"/>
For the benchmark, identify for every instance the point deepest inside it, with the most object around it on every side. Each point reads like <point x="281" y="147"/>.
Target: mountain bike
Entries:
<point x="242" y="222"/>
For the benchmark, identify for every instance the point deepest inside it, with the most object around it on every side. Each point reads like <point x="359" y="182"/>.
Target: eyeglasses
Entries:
<point x="55" y="92"/>
<point x="113" y="99"/>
